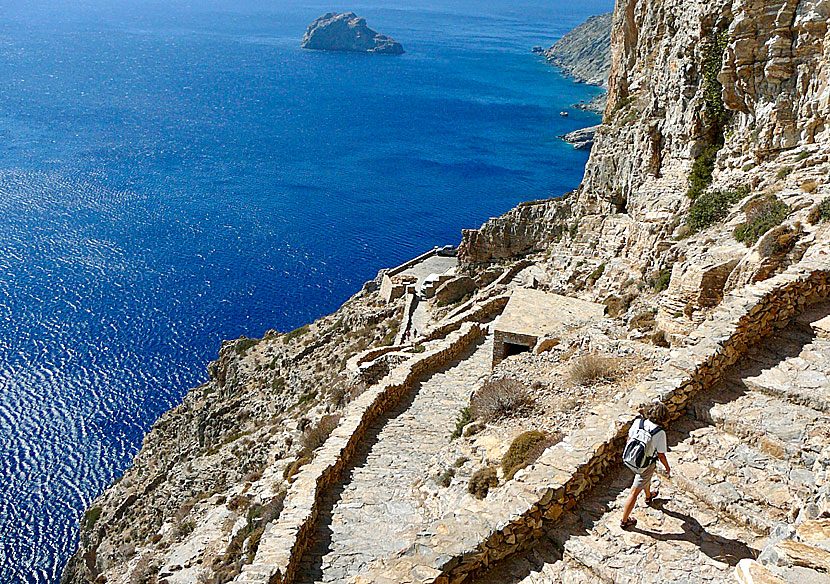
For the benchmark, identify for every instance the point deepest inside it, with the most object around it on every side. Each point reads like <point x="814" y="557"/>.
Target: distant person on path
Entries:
<point x="646" y="445"/>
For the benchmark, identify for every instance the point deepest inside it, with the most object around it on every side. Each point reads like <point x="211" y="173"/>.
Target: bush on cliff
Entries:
<point x="592" y="368"/>
<point x="498" y="398"/>
<point x="662" y="281"/>
<point x="524" y="450"/>
<point x="701" y="175"/>
<point x="314" y="437"/>
<point x="762" y="214"/>
<point x="481" y="482"/>
<point x="711" y="207"/>
<point x="820" y="212"/>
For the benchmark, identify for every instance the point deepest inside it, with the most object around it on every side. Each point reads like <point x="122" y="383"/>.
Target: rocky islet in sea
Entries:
<point x="348" y="33"/>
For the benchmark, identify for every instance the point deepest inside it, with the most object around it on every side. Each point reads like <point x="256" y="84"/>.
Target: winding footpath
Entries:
<point x="374" y="512"/>
<point x="741" y="463"/>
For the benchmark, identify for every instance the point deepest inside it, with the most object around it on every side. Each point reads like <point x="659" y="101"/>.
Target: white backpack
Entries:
<point x="639" y="451"/>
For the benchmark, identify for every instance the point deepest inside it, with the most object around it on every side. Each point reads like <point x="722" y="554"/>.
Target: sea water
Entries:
<point x="174" y="174"/>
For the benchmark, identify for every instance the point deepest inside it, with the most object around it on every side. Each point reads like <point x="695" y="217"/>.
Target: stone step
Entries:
<point x="734" y="478"/>
<point x="679" y="539"/>
<point x="751" y="572"/>
<point x="771" y="424"/>
<point x="804" y="379"/>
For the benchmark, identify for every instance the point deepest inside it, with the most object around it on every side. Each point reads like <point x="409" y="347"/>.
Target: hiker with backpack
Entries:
<point x="646" y="445"/>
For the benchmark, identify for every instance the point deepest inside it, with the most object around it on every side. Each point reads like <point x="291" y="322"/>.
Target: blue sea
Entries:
<point x="177" y="173"/>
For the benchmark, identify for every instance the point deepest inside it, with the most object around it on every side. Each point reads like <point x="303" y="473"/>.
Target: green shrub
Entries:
<point x="762" y="214"/>
<point x="596" y="274"/>
<point x="701" y="175"/>
<point x="481" y="482"/>
<point x="464" y="418"/>
<point x="716" y="113"/>
<point x="820" y="212"/>
<point x="516" y="456"/>
<point x="663" y="280"/>
<point x="295" y="334"/>
<point x="91" y="517"/>
<point x="244" y="344"/>
<point x="418" y="349"/>
<point x="783" y="172"/>
<point x="802" y="155"/>
<point x="445" y="478"/>
<point x="711" y="207"/>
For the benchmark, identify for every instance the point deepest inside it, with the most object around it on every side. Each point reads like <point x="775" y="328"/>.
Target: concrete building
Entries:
<point x="533" y="315"/>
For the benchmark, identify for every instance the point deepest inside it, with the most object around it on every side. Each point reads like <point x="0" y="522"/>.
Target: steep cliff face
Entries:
<point x="775" y="76"/>
<point x="728" y="96"/>
<point x="770" y="80"/>
<point x="585" y="53"/>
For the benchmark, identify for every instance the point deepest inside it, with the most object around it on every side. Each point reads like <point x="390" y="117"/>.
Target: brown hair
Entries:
<point x="655" y="411"/>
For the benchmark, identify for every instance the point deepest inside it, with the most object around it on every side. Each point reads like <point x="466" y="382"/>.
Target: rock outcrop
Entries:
<point x="584" y="54"/>
<point x="349" y="33"/>
<point x="581" y="139"/>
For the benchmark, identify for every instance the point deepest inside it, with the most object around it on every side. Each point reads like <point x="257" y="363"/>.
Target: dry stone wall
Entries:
<point x="483" y="532"/>
<point x="285" y="540"/>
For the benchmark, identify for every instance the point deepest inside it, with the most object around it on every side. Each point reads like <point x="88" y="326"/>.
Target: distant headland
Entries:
<point x="349" y="33"/>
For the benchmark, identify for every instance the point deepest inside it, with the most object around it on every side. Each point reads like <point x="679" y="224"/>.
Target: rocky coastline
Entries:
<point x="349" y="33"/>
<point x="345" y="451"/>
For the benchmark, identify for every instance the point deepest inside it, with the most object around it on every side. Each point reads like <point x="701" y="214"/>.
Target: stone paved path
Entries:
<point x="375" y="511"/>
<point x="740" y="463"/>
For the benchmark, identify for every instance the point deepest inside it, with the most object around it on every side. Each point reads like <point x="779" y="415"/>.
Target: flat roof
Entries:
<point x="432" y="265"/>
<point x="539" y="314"/>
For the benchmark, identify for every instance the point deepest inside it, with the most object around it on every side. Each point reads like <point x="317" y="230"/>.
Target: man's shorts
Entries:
<point x="642" y="479"/>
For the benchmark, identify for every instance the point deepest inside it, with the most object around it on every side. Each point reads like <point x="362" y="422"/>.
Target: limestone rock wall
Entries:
<point x="775" y="76"/>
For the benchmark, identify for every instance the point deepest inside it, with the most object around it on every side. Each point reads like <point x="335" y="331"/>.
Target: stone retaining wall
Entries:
<point x="284" y="541"/>
<point x="482" y="532"/>
<point x="479" y="313"/>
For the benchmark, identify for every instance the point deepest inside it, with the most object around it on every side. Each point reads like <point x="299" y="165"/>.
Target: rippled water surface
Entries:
<point x="174" y="175"/>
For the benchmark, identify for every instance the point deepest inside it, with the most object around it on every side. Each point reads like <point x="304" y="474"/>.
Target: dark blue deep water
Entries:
<point x="174" y="174"/>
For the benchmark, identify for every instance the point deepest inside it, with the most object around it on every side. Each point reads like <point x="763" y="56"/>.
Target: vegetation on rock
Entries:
<point x="762" y="214"/>
<point x="518" y="455"/>
<point x="711" y="207"/>
<point x="594" y="367"/>
<point x="498" y="398"/>
<point x="481" y="482"/>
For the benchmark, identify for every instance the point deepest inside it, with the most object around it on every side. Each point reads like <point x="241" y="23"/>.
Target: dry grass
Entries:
<point x="809" y="186"/>
<point x="593" y="367"/>
<point x="314" y="437"/>
<point x="525" y="449"/>
<point x="500" y="398"/>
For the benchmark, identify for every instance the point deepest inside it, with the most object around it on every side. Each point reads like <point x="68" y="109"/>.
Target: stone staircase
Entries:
<point x="742" y="460"/>
<point x="375" y="510"/>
